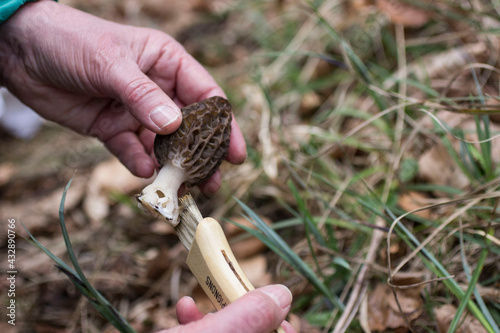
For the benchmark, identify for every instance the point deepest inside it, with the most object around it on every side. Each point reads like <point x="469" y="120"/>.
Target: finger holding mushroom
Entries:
<point x="190" y="155"/>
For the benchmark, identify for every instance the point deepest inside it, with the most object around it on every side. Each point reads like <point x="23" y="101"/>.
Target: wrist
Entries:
<point x="16" y="31"/>
<point x="9" y="7"/>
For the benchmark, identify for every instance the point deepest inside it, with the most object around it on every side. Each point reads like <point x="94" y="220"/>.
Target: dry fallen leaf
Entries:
<point x="444" y="316"/>
<point x="158" y="265"/>
<point x="256" y="271"/>
<point x="7" y="170"/>
<point x="437" y="167"/>
<point x="142" y="313"/>
<point x="468" y="124"/>
<point x="383" y="311"/>
<point x="404" y="14"/>
<point x="107" y="177"/>
<point x="233" y="230"/>
<point x="490" y="293"/>
<point x="358" y="5"/>
<point x="7" y="328"/>
<point x="301" y="325"/>
<point x="40" y="212"/>
<point x="165" y="318"/>
<point x="246" y="247"/>
<point x="414" y="200"/>
<point x="203" y="303"/>
<point x="159" y="227"/>
<point x="309" y="103"/>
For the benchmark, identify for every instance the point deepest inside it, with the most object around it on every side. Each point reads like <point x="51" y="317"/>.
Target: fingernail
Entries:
<point x="189" y="298"/>
<point x="163" y="116"/>
<point x="280" y="294"/>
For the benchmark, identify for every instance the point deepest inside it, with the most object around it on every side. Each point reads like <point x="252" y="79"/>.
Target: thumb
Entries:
<point x="144" y="99"/>
<point x="260" y="310"/>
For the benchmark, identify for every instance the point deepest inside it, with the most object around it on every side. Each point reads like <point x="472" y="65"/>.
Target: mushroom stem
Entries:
<point x="160" y="197"/>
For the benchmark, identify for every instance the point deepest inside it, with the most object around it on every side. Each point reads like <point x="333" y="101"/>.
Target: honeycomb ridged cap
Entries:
<point x="201" y="142"/>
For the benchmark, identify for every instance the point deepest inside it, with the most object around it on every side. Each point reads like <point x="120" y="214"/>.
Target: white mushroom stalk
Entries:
<point x="160" y="197"/>
<point x="190" y="155"/>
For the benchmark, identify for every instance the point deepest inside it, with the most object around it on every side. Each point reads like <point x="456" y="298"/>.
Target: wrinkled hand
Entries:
<point x="260" y="311"/>
<point x="119" y="83"/>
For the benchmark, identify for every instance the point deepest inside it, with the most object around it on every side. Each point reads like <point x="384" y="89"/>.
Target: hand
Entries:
<point x="260" y="311"/>
<point x="119" y="83"/>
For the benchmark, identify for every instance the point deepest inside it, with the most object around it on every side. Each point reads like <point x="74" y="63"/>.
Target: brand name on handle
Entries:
<point x="215" y="292"/>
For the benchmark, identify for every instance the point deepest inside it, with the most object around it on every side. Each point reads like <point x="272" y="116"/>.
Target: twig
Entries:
<point x="358" y="286"/>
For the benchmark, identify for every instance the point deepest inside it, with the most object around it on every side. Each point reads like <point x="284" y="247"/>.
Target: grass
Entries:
<point x="359" y="151"/>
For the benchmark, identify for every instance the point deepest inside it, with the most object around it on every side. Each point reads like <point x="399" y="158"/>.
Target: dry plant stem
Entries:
<point x="334" y="201"/>
<point x="397" y="153"/>
<point x="175" y="282"/>
<point x="393" y="272"/>
<point x="473" y="201"/>
<point x="342" y="297"/>
<point x="160" y="197"/>
<point x="269" y="156"/>
<point x="272" y="72"/>
<point x="343" y="321"/>
<point x="325" y="150"/>
<point x="354" y="300"/>
<point x="360" y="261"/>
<point x="482" y="233"/>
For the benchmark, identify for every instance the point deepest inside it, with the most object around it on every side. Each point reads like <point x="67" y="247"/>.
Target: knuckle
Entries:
<point x="156" y="35"/>
<point x="138" y="90"/>
<point x="107" y="55"/>
<point x="108" y="49"/>
<point x="259" y="319"/>
<point x="262" y="316"/>
<point x="170" y="48"/>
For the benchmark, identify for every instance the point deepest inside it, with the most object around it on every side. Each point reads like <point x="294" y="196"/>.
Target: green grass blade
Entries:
<point x="287" y="253"/>
<point x="435" y="266"/>
<point x="258" y="234"/>
<point x="483" y="133"/>
<point x="427" y="257"/>
<point x="466" y="297"/>
<point x="80" y="286"/>
<point x="77" y="277"/>
<point x="309" y="227"/>
<point x="467" y="153"/>
<point x="438" y="188"/>
<point x="54" y="258"/>
<point x="306" y="215"/>
<point x="67" y="241"/>
<point x="356" y="63"/>
<point x="101" y="303"/>
<point x="467" y="271"/>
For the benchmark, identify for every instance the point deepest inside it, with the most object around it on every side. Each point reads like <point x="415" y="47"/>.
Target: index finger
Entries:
<point x="177" y="72"/>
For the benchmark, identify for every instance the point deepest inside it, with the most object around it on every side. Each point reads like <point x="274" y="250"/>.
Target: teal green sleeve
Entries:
<point x="9" y="7"/>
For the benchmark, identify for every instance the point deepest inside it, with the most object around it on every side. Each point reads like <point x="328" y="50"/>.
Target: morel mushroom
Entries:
<point x="190" y="155"/>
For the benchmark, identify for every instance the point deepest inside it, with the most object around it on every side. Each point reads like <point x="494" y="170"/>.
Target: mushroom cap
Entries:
<point x="201" y="142"/>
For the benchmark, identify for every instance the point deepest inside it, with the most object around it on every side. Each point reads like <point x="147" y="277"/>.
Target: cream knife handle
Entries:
<point x="213" y="264"/>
